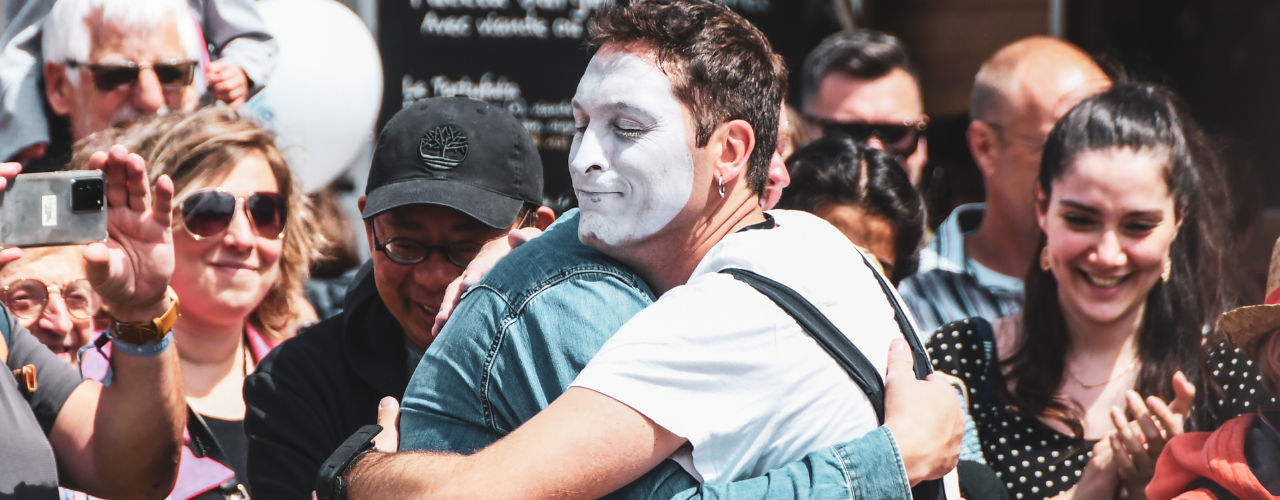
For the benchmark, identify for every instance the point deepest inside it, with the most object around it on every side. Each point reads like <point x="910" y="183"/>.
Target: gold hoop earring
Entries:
<point x="1045" y="265"/>
<point x="1168" y="269"/>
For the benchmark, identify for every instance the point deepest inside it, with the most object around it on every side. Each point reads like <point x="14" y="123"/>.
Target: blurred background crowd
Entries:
<point x="943" y="137"/>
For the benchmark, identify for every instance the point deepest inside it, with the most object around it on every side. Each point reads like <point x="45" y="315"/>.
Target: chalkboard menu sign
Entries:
<point x="527" y="56"/>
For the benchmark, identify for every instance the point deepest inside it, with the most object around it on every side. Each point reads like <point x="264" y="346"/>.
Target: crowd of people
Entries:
<point x="745" y="302"/>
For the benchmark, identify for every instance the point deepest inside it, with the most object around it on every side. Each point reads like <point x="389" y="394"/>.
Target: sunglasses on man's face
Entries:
<point x="899" y="139"/>
<point x="208" y="212"/>
<point x="111" y="76"/>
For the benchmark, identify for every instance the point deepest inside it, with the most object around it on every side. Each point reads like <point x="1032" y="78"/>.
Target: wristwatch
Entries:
<point x="331" y="480"/>
<point x="147" y="332"/>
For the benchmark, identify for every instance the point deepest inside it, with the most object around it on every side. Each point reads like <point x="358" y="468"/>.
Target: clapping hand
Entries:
<point x="131" y="270"/>
<point x="1136" y="444"/>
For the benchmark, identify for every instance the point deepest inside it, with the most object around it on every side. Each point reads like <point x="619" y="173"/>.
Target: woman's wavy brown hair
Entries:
<point x="196" y="150"/>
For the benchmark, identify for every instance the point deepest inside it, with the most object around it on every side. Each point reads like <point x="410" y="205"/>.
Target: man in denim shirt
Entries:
<point x="503" y="357"/>
<point x="533" y="333"/>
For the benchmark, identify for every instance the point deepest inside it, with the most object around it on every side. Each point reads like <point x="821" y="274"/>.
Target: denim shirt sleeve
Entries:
<point x="501" y="359"/>
<point x="868" y="467"/>
<point x="441" y="409"/>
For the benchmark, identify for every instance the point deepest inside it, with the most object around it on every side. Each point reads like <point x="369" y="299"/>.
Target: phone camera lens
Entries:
<point x="87" y="195"/>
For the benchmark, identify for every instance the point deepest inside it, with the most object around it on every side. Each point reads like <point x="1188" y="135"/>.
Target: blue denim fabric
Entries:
<point x="519" y="338"/>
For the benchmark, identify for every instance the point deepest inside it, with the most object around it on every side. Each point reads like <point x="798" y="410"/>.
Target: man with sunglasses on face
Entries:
<point x="105" y="63"/>
<point x="448" y="175"/>
<point x="861" y="83"/>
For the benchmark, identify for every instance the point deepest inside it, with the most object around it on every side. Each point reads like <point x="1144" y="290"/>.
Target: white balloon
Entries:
<point x="325" y="94"/>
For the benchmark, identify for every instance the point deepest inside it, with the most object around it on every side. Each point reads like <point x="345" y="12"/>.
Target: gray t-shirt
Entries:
<point x="27" y="466"/>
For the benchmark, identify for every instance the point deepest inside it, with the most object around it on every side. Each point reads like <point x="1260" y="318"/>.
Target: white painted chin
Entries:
<point x="600" y="231"/>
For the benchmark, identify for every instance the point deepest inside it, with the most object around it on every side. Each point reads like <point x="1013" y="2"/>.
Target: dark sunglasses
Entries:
<point x="899" y="139"/>
<point x="27" y="298"/>
<point x="409" y="252"/>
<point x="208" y="212"/>
<point x="110" y="76"/>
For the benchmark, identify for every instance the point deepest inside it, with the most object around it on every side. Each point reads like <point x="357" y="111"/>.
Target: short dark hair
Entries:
<point x="865" y="54"/>
<point x="836" y="169"/>
<point x="721" y="67"/>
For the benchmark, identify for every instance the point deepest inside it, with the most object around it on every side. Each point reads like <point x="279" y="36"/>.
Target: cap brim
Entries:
<point x="493" y="209"/>
<point x="1244" y="325"/>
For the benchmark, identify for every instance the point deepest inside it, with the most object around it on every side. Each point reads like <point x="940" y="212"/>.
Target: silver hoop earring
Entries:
<point x="720" y="186"/>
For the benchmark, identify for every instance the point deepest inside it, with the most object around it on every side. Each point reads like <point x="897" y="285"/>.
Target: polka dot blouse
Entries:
<point x="1032" y="459"/>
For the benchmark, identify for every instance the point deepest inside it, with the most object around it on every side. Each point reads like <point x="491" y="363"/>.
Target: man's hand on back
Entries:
<point x="924" y="416"/>
<point x="489" y="255"/>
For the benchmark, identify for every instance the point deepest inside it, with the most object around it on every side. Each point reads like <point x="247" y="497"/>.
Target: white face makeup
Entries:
<point x="630" y="162"/>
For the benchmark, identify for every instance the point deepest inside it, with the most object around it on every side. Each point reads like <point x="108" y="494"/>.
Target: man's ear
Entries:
<point x="58" y="89"/>
<point x="543" y="217"/>
<point x="736" y="140"/>
<point x="368" y="224"/>
<point x="982" y="146"/>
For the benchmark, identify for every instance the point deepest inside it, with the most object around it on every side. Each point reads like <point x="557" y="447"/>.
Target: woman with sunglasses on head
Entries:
<point x="242" y="243"/>
<point x="1076" y="397"/>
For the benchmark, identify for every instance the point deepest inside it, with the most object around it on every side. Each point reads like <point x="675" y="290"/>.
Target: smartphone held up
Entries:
<point x="54" y="208"/>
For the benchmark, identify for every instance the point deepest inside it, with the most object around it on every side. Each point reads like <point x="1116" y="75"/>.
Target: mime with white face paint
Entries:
<point x="712" y="374"/>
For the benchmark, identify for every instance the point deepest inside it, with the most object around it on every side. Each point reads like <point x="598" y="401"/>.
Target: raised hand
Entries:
<point x="131" y="270"/>
<point x="1137" y="444"/>
<point x="8" y="171"/>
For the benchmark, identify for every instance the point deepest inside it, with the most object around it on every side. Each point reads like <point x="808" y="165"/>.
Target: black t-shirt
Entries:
<point x="27" y="466"/>
<point x="234" y="444"/>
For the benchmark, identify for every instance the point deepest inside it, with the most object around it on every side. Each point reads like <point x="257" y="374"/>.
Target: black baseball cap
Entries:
<point x="458" y="152"/>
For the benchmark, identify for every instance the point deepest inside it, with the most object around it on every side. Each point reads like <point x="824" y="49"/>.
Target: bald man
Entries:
<point x="975" y="263"/>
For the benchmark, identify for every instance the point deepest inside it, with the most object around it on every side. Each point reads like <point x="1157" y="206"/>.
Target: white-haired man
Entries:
<point x="105" y="63"/>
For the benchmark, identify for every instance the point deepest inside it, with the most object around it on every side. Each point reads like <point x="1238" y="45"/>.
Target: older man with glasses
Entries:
<point x="105" y="63"/>
<point x="48" y="290"/>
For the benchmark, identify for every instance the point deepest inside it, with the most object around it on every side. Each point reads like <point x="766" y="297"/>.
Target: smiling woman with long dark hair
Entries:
<point x="1129" y="273"/>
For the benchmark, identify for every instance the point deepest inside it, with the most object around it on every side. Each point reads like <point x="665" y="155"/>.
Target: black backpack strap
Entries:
<point x="821" y="329"/>
<point x="847" y="355"/>
<point x="923" y="367"/>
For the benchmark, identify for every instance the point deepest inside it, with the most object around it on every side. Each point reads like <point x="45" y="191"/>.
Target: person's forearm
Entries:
<point x="410" y="474"/>
<point x="867" y="467"/>
<point x="137" y="428"/>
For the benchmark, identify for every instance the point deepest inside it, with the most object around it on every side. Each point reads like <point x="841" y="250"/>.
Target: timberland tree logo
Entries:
<point x="443" y="148"/>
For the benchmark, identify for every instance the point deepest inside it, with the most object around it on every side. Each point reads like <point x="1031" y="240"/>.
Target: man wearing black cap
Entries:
<point x="448" y="174"/>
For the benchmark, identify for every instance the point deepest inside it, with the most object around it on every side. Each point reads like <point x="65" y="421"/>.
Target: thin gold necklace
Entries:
<point x="1132" y="364"/>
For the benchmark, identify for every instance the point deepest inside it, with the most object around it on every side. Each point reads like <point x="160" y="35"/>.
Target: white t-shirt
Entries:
<point x="718" y="363"/>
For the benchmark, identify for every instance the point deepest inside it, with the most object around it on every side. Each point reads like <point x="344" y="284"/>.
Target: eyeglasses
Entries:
<point x="409" y="252"/>
<point x="110" y="76"/>
<point x="898" y="139"/>
<point x="28" y="297"/>
<point x="208" y="212"/>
